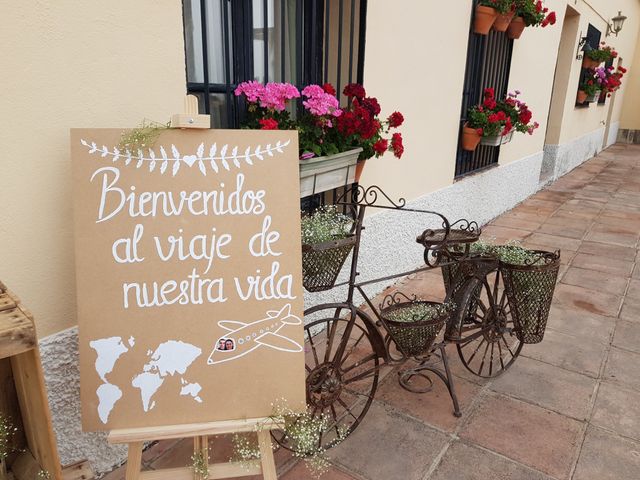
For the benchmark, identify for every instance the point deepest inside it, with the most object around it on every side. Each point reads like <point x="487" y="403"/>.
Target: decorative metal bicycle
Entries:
<point x="347" y="345"/>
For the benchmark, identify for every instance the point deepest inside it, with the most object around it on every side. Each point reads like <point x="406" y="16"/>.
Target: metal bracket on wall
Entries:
<point x="581" y="46"/>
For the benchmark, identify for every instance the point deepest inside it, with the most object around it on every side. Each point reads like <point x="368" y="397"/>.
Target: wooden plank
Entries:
<point x="78" y="471"/>
<point x="266" y="455"/>
<point x="134" y="461"/>
<point x="17" y="333"/>
<point x="25" y="467"/>
<point x="6" y="302"/>
<point x="148" y="434"/>
<point x="34" y="407"/>
<point x="216" y="471"/>
<point x="9" y="402"/>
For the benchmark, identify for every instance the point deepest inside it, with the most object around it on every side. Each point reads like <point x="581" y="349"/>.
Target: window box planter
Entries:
<point x="326" y="173"/>
<point x="496" y="140"/>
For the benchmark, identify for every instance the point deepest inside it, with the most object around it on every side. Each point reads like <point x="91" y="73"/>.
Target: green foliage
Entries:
<point x="478" y="118"/>
<point x="420" y="312"/>
<point x="531" y="15"/>
<point x="599" y="54"/>
<point x="325" y="224"/>
<point x="502" y="6"/>
<point x="512" y="253"/>
<point x="143" y="136"/>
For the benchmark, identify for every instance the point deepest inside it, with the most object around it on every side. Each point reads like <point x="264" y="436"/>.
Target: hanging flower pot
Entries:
<point x="484" y="19"/>
<point x="516" y="27"/>
<point x="582" y="96"/>
<point x="502" y="22"/>
<point x="470" y="138"/>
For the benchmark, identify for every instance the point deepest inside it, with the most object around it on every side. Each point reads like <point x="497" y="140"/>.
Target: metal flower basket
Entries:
<point x="530" y="290"/>
<point x="322" y="262"/>
<point x="413" y="329"/>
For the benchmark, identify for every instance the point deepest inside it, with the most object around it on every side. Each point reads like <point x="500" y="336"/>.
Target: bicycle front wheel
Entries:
<point x="342" y="369"/>
<point x="488" y="345"/>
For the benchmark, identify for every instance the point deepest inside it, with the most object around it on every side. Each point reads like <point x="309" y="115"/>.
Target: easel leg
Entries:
<point x="201" y="447"/>
<point x="134" y="461"/>
<point x="266" y="455"/>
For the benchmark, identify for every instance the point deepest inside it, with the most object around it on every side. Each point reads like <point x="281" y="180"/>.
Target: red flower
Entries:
<point x="381" y="146"/>
<point x="489" y="103"/>
<point x="268" y="124"/>
<point x="371" y="104"/>
<point x="480" y="131"/>
<point x="549" y="20"/>
<point x="538" y="6"/>
<point x="328" y="88"/>
<point x="508" y="126"/>
<point x="525" y="116"/>
<point x="395" y="119"/>
<point x="489" y="92"/>
<point x="354" y="90"/>
<point x="396" y="145"/>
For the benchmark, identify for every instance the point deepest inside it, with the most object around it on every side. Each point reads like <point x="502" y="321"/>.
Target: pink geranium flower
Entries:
<point x="319" y="102"/>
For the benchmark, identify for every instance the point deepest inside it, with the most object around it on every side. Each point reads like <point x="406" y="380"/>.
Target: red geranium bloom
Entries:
<point x="381" y="146"/>
<point x="525" y="116"/>
<point x="354" y="90"/>
<point x="268" y="124"/>
<point x="371" y="104"/>
<point x="396" y="145"/>
<point x="328" y="88"/>
<point x="395" y="119"/>
<point x="538" y="6"/>
<point x="489" y="92"/>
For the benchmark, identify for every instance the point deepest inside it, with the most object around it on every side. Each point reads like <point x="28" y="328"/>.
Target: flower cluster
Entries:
<point x="325" y="224"/>
<point x="591" y="84"/>
<point x="602" y="54"/>
<point x="534" y="13"/>
<point x="500" y="117"/>
<point x="324" y="128"/>
<point x="361" y="125"/>
<point x="610" y="78"/>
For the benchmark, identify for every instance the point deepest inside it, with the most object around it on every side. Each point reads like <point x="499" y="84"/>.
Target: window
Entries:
<point x="298" y="41"/>
<point x="488" y="65"/>
<point x="593" y="41"/>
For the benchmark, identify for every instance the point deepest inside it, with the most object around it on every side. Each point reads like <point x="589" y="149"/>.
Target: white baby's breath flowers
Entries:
<point x="325" y="224"/>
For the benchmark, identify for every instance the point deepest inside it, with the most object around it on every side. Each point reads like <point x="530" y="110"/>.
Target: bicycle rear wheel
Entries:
<point x="488" y="345"/>
<point x="342" y="368"/>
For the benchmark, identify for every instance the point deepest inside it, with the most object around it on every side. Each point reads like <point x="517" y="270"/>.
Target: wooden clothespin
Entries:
<point x="190" y="118"/>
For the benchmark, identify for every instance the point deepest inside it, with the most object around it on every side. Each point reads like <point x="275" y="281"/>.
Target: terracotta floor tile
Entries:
<point x="466" y="462"/>
<point x="582" y="325"/>
<point x="631" y="309"/>
<point x="618" y="408"/>
<point x="569" y="352"/>
<point x="572" y="297"/>
<point x="613" y="234"/>
<point x="554" y="242"/>
<point x="608" y="250"/>
<point x="622" y="368"/>
<point x="499" y="235"/>
<point x="435" y="407"/>
<point x="562" y="230"/>
<point x="367" y="451"/>
<point x="512" y="221"/>
<point x="607" y="457"/>
<point x="636" y="270"/>
<point x="603" y="264"/>
<point x="529" y="434"/>
<point x="595" y="280"/>
<point x="548" y="386"/>
<point x="300" y="471"/>
<point x="627" y="335"/>
<point x="634" y="288"/>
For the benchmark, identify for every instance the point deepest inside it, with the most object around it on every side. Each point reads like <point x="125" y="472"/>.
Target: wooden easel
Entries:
<point x="137" y="437"/>
<point x="200" y="432"/>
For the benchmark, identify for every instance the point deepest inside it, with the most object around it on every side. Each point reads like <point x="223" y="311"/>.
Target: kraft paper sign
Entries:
<point x="188" y="269"/>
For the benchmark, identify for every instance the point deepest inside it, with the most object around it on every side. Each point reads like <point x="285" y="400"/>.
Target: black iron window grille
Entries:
<point x="297" y="41"/>
<point x="488" y="65"/>
<point x="592" y="42"/>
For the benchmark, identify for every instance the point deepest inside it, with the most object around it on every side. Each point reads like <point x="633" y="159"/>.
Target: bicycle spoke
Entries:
<point x="327" y="352"/>
<point x="359" y="363"/>
<point x="353" y="347"/>
<point x="507" y="345"/>
<point x="313" y="348"/>
<point x="361" y="376"/>
<point x="474" y="352"/>
<point x="346" y="407"/>
<point x="500" y="350"/>
<point x="491" y="360"/>
<point x="483" y="357"/>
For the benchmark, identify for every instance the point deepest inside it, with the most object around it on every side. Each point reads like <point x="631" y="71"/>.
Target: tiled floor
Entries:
<point x="569" y="408"/>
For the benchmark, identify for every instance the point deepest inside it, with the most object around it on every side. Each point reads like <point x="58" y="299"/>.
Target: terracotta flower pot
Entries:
<point x="582" y="96"/>
<point x="484" y="18"/>
<point x="503" y="20"/>
<point x="588" y="63"/>
<point x="359" y="169"/>
<point x="516" y="27"/>
<point x="470" y="139"/>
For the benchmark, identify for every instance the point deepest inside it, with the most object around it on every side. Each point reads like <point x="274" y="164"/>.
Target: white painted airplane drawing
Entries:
<point x="242" y="338"/>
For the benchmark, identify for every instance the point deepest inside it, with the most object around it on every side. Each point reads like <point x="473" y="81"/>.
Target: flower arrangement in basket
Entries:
<point x="494" y="122"/>
<point x="327" y="240"/>
<point x="414" y="324"/>
<point x="324" y="127"/>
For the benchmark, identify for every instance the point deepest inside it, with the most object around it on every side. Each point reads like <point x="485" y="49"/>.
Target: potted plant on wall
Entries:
<point x="593" y="57"/>
<point x="506" y="11"/>
<point x="588" y="90"/>
<point x="493" y="123"/>
<point x="529" y="13"/>
<point x="485" y="16"/>
<point x="334" y="142"/>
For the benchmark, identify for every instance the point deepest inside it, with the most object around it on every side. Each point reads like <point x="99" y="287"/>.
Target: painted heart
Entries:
<point x="189" y="159"/>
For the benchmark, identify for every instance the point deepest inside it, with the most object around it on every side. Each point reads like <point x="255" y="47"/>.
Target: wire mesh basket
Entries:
<point x="530" y="289"/>
<point x="322" y="262"/>
<point x="414" y="325"/>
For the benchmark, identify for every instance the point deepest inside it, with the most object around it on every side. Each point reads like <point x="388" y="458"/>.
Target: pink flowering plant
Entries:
<point x="267" y="104"/>
<point x="317" y="135"/>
